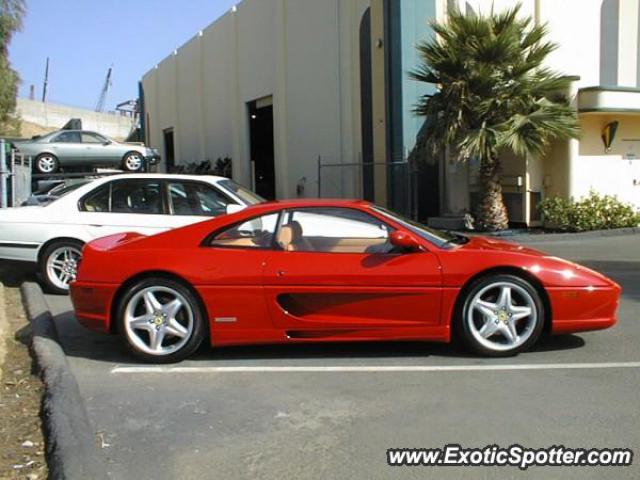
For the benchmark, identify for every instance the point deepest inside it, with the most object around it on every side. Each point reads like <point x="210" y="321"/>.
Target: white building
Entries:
<point x="277" y="85"/>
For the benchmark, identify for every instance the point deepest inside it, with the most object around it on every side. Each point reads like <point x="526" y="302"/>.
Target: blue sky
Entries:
<point x="83" y="38"/>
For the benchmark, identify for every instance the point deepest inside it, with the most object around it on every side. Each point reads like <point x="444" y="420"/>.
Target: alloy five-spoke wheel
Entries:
<point x="502" y="315"/>
<point x="133" y="162"/>
<point x="46" y="163"/>
<point x="59" y="264"/>
<point x="161" y="320"/>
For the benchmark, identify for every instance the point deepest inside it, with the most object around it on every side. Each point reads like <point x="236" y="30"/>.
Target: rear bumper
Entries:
<point x="92" y="304"/>
<point x="580" y="309"/>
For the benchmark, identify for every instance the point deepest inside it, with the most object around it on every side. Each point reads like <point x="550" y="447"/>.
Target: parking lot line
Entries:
<point x="370" y="368"/>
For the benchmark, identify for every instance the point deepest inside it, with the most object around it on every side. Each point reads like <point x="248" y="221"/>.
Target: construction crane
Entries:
<point x="103" y="93"/>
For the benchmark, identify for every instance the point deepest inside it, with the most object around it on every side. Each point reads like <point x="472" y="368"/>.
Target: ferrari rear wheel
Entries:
<point x="502" y="315"/>
<point x="161" y="320"/>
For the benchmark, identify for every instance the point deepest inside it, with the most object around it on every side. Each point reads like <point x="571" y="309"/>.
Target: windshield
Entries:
<point x="437" y="237"/>
<point x="246" y="195"/>
<point x="60" y="190"/>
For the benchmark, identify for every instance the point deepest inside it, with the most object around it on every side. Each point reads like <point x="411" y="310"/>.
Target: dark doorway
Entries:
<point x="366" y="107"/>
<point x="169" y="149"/>
<point x="262" y="147"/>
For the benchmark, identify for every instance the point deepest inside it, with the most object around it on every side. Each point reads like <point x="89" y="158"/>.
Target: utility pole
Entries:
<point x="46" y="81"/>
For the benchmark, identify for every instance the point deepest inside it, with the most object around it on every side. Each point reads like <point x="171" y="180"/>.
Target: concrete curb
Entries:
<point x="3" y="327"/>
<point x="559" y="237"/>
<point x="71" y="445"/>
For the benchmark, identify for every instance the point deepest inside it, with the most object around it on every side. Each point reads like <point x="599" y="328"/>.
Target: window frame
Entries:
<point x="100" y="138"/>
<point x="390" y="229"/>
<point x="55" y="139"/>
<point x="164" y="206"/>
<point x="206" y="242"/>
<point x="169" y="202"/>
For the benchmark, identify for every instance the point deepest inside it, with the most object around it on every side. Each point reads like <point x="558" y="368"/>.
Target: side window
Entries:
<point x="91" y="138"/>
<point x="67" y="137"/>
<point x="136" y="196"/>
<point x="255" y="233"/>
<point x="192" y="198"/>
<point x="333" y="230"/>
<point x="98" y="200"/>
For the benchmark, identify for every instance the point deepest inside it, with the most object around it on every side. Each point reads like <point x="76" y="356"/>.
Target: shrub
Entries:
<point x="593" y="212"/>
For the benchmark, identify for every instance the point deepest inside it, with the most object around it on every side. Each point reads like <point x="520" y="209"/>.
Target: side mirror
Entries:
<point x="404" y="240"/>
<point x="234" y="208"/>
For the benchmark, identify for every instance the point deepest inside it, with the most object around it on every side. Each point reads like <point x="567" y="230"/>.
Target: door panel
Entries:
<point x="306" y="290"/>
<point x="101" y="224"/>
<point x="124" y="206"/>
<point x="231" y="289"/>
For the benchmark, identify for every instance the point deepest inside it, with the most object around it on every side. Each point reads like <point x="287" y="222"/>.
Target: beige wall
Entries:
<point x="52" y="115"/>
<point x="599" y="42"/>
<point x="303" y="53"/>
<point x="609" y="172"/>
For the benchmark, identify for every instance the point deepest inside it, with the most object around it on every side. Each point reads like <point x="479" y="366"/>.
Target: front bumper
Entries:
<point x="581" y="309"/>
<point x="92" y="303"/>
<point x="152" y="159"/>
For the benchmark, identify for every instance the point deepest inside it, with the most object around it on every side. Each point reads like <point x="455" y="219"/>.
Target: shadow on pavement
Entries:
<point x="80" y="342"/>
<point x="13" y="274"/>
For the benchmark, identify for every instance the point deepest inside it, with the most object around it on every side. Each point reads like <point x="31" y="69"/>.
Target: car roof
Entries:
<point x="309" y="202"/>
<point x="175" y="176"/>
<point x="97" y="182"/>
<point x="62" y="130"/>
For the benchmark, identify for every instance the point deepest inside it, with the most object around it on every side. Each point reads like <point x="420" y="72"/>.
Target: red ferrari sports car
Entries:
<point x="320" y="271"/>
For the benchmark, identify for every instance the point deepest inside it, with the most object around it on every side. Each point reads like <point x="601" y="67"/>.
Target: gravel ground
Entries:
<point x="21" y="437"/>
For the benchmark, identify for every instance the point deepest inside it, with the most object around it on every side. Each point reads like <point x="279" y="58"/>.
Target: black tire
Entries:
<point x="528" y="297"/>
<point x="46" y="164"/>
<point x="129" y="303"/>
<point x="52" y="284"/>
<point x="134" y="167"/>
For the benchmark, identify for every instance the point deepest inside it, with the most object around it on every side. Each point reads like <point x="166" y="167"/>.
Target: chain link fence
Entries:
<point x="392" y="183"/>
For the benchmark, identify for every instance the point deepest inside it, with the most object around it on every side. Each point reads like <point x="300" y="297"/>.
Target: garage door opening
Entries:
<point x="262" y="147"/>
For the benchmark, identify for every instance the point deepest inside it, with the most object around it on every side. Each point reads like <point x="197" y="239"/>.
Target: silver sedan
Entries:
<point x="79" y="148"/>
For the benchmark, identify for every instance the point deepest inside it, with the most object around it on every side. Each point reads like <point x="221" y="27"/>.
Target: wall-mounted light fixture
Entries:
<point x="609" y="134"/>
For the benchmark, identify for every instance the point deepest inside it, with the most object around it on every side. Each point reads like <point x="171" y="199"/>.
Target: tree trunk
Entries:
<point x="491" y="213"/>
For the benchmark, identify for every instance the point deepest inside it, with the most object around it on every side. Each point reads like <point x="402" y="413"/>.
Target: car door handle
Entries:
<point x="280" y="273"/>
<point x="94" y="225"/>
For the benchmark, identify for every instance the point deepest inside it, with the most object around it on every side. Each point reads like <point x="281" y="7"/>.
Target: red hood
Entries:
<point x="495" y="244"/>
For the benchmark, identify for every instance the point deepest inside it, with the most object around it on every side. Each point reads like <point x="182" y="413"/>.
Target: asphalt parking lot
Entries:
<point x="332" y="411"/>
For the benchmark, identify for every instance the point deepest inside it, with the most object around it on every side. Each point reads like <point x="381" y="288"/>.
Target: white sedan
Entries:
<point x="52" y="235"/>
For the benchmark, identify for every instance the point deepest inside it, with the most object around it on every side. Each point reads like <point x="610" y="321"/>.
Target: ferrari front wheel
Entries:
<point x="161" y="320"/>
<point x="502" y="315"/>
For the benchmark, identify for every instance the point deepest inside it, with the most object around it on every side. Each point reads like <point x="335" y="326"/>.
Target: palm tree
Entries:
<point x="493" y="94"/>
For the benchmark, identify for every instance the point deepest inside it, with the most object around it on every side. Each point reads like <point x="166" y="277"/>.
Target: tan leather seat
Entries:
<point x="285" y="235"/>
<point x="299" y="243"/>
<point x="291" y="239"/>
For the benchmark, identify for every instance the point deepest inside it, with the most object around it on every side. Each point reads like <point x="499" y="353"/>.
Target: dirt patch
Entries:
<point x="21" y="437"/>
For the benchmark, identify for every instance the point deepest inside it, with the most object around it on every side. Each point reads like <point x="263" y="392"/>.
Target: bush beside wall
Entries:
<point x="593" y="212"/>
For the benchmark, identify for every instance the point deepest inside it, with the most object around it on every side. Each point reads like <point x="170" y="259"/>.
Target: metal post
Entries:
<point x="3" y="175"/>
<point x="319" y="176"/>
<point x="12" y="163"/>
